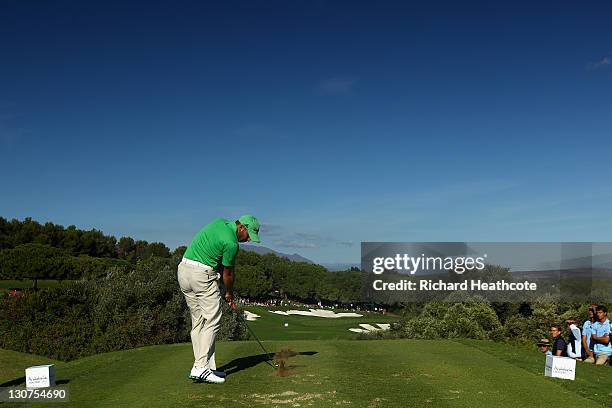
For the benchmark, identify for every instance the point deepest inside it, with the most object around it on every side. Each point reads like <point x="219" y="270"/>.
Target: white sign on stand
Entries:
<point x="560" y="367"/>
<point x="40" y="376"/>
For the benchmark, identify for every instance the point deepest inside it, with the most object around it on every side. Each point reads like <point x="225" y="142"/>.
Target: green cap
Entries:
<point x="252" y="226"/>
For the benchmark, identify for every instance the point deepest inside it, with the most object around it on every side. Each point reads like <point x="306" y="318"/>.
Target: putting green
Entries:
<point x="380" y="373"/>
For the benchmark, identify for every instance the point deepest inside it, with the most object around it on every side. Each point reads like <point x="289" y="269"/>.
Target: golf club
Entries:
<point x="270" y="355"/>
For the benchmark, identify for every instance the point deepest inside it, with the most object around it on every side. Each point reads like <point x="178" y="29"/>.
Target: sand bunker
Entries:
<point x="250" y="316"/>
<point x="368" y="328"/>
<point x="330" y="314"/>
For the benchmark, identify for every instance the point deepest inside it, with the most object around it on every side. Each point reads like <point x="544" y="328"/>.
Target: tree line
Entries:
<point x="262" y="276"/>
<point x="34" y="251"/>
<point x="75" y="242"/>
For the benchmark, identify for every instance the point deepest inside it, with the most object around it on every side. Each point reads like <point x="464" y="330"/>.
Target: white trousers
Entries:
<point x="199" y="285"/>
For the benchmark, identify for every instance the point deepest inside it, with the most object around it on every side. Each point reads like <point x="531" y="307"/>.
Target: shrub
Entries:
<point x="465" y="316"/>
<point x="120" y="311"/>
<point x="473" y="319"/>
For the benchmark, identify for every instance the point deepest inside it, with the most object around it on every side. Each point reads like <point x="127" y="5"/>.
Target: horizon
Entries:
<point x="333" y="124"/>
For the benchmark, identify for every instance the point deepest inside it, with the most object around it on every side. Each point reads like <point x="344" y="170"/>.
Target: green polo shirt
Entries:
<point x="216" y="244"/>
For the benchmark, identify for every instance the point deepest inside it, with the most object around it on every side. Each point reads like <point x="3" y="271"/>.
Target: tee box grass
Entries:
<point x="328" y="373"/>
<point x="331" y="370"/>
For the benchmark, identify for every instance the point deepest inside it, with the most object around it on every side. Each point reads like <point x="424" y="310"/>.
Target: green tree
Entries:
<point x="178" y="253"/>
<point x="158" y="249"/>
<point x="4" y="233"/>
<point x="302" y="280"/>
<point x="252" y="282"/>
<point x="70" y="240"/>
<point x="34" y="261"/>
<point x="126" y="249"/>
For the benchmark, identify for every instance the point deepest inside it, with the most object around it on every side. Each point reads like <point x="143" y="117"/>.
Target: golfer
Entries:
<point x="213" y="249"/>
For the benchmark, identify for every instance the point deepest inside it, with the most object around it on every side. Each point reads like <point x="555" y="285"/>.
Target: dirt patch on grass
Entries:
<point x="287" y="397"/>
<point x="280" y="361"/>
<point x="296" y="399"/>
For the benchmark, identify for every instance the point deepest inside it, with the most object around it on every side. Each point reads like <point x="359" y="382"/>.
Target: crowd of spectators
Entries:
<point x="591" y="344"/>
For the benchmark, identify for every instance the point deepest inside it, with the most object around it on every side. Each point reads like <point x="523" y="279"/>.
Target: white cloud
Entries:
<point x="604" y="63"/>
<point x="310" y="237"/>
<point x="295" y="244"/>
<point x="282" y="237"/>
<point x="270" y="230"/>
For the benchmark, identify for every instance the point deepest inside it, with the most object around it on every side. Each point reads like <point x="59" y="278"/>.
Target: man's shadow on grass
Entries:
<point x="242" y="363"/>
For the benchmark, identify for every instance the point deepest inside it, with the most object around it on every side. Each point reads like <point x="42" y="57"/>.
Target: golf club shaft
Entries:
<point x="256" y="339"/>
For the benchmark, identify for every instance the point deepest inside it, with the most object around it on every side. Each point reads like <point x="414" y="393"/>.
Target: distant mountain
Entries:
<point x="262" y="250"/>
<point x="333" y="267"/>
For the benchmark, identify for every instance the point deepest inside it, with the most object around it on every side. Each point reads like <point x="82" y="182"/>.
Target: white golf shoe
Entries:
<point x="205" y="375"/>
<point x="220" y="374"/>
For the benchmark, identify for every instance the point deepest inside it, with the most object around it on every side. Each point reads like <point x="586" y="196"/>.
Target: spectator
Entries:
<point x="559" y="347"/>
<point x="600" y="337"/>
<point x="574" y="349"/>
<point x="544" y="347"/>
<point x="587" y="347"/>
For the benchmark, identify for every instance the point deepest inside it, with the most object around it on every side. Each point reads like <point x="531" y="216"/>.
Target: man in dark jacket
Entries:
<point x="559" y="346"/>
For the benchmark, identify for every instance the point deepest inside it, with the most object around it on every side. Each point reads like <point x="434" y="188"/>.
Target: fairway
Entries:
<point x="378" y="373"/>
<point x="271" y="326"/>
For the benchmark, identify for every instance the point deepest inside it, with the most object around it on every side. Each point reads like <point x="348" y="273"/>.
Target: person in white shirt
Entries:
<point x="574" y="346"/>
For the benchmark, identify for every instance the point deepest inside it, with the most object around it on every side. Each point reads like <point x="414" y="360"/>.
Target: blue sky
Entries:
<point x="333" y="122"/>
